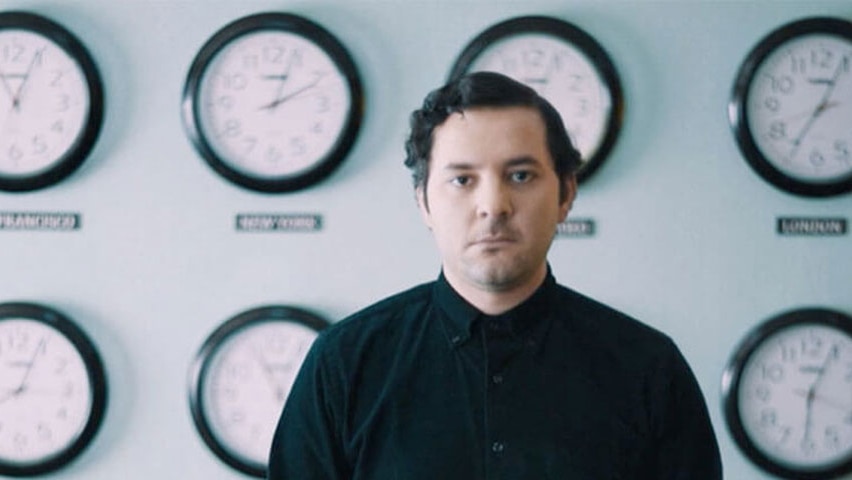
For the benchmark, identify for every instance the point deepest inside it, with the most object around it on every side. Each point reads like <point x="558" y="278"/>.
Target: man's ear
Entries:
<point x="423" y="206"/>
<point x="569" y="186"/>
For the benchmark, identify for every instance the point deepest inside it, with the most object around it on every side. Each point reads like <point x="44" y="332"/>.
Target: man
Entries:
<point x="494" y="371"/>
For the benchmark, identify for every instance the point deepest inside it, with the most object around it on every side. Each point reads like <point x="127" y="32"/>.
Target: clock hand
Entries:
<point x="16" y="100"/>
<point x="6" y="86"/>
<point x="9" y="393"/>
<point x="23" y="384"/>
<point x="267" y="372"/>
<point x="278" y="101"/>
<point x="282" y="78"/>
<point x="831" y="402"/>
<point x="821" y="107"/>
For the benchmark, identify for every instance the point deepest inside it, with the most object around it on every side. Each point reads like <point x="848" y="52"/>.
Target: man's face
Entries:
<point x="492" y="197"/>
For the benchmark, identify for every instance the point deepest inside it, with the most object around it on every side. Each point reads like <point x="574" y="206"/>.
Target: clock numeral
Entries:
<point x="250" y="142"/>
<point x="763" y="393"/>
<point x="64" y="103"/>
<point x="15" y="153"/>
<point x="798" y="64"/>
<point x="785" y="434"/>
<point x="777" y="130"/>
<point x="783" y="85"/>
<point x="57" y="126"/>
<point x="13" y="52"/>
<point x="237" y="416"/>
<point x="233" y="81"/>
<point x="822" y="58"/>
<point x="842" y="151"/>
<point x="39" y="145"/>
<point x="808" y="446"/>
<point x="832" y="437"/>
<point x="61" y="365"/>
<point x="233" y="128"/>
<point x="298" y="146"/>
<point x="816" y="158"/>
<point x="789" y="353"/>
<point x="768" y="418"/>
<point x="273" y="155"/>
<point x="225" y="101"/>
<point x="812" y="345"/>
<point x="44" y="432"/>
<point x="57" y="78"/>
<point x="772" y="104"/>
<point x="237" y="371"/>
<point x="582" y="106"/>
<point x="533" y="58"/>
<point x="773" y="373"/>
<point x="323" y="104"/>
<point x="274" y="54"/>
<point x="21" y="441"/>
<point x="251" y="61"/>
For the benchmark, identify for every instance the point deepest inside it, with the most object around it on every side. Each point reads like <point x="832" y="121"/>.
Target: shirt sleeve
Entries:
<point x="687" y="448"/>
<point x="306" y="444"/>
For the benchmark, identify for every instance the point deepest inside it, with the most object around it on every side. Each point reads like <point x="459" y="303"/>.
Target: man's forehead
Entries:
<point x="504" y="134"/>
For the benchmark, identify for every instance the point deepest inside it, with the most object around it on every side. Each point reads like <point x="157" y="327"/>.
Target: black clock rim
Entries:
<point x="97" y="379"/>
<point x="201" y="364"/>
<point x="732" y="375"/>
<point x="86" y="139"/>
<point x="311" y="31"/>
<point x="573" y="34"/>
<point x="738" y="115"/>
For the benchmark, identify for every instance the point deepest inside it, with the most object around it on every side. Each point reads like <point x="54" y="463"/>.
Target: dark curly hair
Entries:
<point x="484" y="89"/>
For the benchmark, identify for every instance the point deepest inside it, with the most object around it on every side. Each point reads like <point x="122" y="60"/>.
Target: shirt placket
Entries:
<point x="499" y="346"/>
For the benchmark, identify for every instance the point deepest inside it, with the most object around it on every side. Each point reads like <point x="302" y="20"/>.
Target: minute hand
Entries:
<point x="278" y="101"/>
<point x="822" y="106"/>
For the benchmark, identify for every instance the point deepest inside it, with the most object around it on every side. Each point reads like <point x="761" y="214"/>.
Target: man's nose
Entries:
<point x="494" y="199"/>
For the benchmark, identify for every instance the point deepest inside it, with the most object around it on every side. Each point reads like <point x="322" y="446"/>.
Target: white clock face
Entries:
<point x="272" y="104"/>
<point x="561" y="73"/>
<point x="800" y="108"/>
<point x="795" y="397"/>
<point x="44" y="103"/>
<point x="247" y="382"/>
<point x="45" y="392"/>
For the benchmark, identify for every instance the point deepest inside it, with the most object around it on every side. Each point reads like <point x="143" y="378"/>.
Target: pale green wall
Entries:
<point x="685" y="242"/>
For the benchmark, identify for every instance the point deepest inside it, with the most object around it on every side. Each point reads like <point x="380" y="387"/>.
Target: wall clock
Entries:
<point x="565" y="65"/>
<point x="52" y="390"/>
<point x="787" y="394"/>
<point x="791" y="107"/>
<point x="241" y="377"/>
<point x="51" y="102"/>
<point x="273" y="102"/>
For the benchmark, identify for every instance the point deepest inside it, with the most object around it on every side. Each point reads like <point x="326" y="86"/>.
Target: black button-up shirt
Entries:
<point x="424" y="386"/>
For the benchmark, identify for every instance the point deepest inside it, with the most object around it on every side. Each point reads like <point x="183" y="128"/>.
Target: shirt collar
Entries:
<point x="460" y="317"/>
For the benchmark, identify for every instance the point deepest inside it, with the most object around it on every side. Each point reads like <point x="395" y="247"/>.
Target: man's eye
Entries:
<point x="460" y="181"/>
<point x="521" y="176"/>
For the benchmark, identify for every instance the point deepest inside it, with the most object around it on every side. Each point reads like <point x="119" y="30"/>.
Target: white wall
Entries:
<point x="686" y="236"/>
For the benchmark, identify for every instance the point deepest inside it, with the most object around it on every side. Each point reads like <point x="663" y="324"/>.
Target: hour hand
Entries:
<point x="278" y="101"/>
<point x="280" y="77"/>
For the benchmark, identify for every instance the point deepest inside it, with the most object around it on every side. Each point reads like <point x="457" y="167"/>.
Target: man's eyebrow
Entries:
<point x="521" y="161"/>
<point x="514" y="162"/>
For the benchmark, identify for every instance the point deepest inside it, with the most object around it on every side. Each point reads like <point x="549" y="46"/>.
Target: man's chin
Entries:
<point x="496" y="276"/>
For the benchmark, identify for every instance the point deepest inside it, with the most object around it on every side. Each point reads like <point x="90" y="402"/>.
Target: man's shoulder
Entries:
<point x="394" y="312"/>
<point x="590" y="317"/>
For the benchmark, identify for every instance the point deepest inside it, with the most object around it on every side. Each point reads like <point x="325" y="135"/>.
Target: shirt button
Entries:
<point x="497" y="447"/>
<point x="497" y="379"/>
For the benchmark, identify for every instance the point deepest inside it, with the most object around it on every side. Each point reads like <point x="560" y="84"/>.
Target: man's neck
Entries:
<point x="496" y="300"/>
